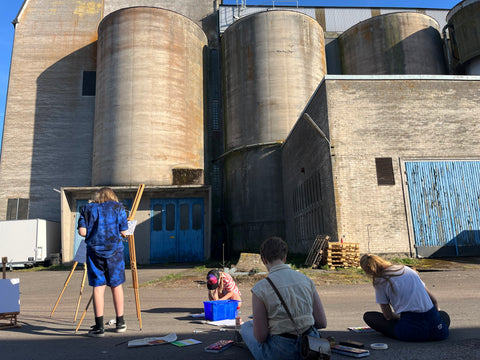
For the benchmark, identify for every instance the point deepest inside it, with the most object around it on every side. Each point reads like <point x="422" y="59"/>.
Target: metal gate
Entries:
<point x="445" y="205"/>
<point x="177" y="230"/>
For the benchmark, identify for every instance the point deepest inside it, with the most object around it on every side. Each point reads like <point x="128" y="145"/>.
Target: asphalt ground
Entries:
<point x="166" y="308"/>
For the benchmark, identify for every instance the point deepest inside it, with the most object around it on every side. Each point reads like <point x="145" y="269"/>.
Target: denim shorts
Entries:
<point x="276" y="347"/>
<point x="105" y="271"/>
<point x="427" y="326"/>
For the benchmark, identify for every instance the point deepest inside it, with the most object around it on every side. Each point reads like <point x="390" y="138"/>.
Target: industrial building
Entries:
<point x="245" y="122"/>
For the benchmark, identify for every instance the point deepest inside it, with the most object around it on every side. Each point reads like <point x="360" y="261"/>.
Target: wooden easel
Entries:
<point x="10" y="316"/>
<point x="133" y="255"/>
<point x="65" y="286"/>
<point x="133" y="261"/>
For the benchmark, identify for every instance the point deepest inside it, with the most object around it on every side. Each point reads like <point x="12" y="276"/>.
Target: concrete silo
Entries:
<point x="396" y="43"/>
<point x="272" y="63"/>
<point x="463" y="23"/>
<point x="149" y="111"/>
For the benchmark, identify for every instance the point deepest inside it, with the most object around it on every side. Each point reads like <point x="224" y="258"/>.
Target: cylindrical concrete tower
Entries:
<point x="272" y="61"/>
<point x="463" y="22"/>
<point x="149" y="111"/>
<point x="396" y="43"/>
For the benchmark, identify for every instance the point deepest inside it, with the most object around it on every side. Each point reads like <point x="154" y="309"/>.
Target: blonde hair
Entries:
<point x="378" y="268"/>
<point x="105" y="194"/>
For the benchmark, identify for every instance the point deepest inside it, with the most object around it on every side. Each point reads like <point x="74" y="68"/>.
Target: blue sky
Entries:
<point x="9" y="10"/>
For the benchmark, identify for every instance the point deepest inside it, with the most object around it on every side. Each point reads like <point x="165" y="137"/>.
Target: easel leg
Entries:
<point x="133" y="266"/>
<point x="133" y="256"/>
<point x="81" y="290"/>
<point x="64" y="287"/>
<point x="84" y="313"/>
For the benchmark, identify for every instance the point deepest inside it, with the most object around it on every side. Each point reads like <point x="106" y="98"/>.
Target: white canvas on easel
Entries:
<point x="10" y="299"/>
<point x="81" y="254"/>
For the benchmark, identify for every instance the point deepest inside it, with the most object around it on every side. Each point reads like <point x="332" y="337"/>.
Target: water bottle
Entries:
<point x="238" y="320"/>
<point x="238" y="324"/>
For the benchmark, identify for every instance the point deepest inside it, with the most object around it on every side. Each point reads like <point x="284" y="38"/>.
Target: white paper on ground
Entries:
<point x="226" y="322"/>
<point x="197" y="315"/>
<point x="153" y="340"/>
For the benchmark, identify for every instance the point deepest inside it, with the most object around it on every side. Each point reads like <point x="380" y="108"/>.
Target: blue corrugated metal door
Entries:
<point x="177" y="230"/>
<point x="445" y="206"/>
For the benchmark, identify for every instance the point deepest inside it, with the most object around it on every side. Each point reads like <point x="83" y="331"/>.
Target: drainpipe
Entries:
<point x="447" y="45"/>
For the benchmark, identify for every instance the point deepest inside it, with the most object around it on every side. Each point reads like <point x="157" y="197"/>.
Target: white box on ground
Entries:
<point x="10" y="295"/>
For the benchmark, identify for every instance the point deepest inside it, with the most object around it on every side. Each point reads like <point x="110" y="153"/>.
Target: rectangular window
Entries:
<point x="89" y="83"/>
<point x="197" y="216"/>
<point x="385" y="174"/>
<point x="170" y="217"/>
<point x="184" y="217"/>
<point x="17" y="209"/>
<point x="157" y="217"/>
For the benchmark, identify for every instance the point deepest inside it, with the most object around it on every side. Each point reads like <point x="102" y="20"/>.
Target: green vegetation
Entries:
<point x="167" y="278"/>
<point x="407" y="261"/>
<point x="201" y="268"/>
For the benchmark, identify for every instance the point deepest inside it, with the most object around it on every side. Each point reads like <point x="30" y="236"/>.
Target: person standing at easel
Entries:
<point x="103" y="223"/>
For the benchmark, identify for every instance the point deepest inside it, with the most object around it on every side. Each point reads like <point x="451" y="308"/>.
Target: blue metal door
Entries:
<point x="177" y="230"/>
<point x="444" y="200"/>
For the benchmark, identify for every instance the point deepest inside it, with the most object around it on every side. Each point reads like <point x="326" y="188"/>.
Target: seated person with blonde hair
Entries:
<point x="409" y="310"/>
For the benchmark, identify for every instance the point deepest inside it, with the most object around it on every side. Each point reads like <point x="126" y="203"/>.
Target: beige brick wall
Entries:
<point x="48" y="124"/>
<point x="402" y="119"/>
<point x="48" y="131"/>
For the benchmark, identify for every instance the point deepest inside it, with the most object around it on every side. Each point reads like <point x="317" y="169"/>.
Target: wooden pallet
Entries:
<point x="343" y="255"/>
<point x="317" y="255"/>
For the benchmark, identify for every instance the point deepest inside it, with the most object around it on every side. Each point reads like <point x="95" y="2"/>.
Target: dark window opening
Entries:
<point x="385" y="174"/>
<point x="157" y="217"/>
<point x="197" y="216"/>
<point x="17" y="209"/>
<point x="184" y="217"/>
<point x="170" y="217"/>
<point x="89" y="83"/>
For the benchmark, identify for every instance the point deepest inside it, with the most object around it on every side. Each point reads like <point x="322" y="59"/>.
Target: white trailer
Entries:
<point x="29" y="242"/>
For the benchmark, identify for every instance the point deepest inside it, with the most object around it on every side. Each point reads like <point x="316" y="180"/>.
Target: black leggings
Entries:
<point x="377" y="321"/>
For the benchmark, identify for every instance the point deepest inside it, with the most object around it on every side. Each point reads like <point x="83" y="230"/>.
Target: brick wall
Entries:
<point x="402" y="118"/>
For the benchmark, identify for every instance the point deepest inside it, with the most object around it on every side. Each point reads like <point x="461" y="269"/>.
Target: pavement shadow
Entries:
<point x="174" y="310"/>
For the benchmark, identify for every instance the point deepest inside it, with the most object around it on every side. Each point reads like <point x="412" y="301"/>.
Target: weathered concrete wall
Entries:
<point x="398" y="43"/>
<point x="202" y="12"/>
<point x="47" y="139"/>
<point x="149" y="109"/>
<point x="307" y="182"/>
<point x="403" y="118"/>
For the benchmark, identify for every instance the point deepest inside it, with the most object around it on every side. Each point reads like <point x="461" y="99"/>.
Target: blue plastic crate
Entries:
<point x="220" y="309"/>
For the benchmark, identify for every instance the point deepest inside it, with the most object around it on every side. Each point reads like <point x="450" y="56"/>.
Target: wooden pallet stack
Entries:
<point x="343" y="255"/>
